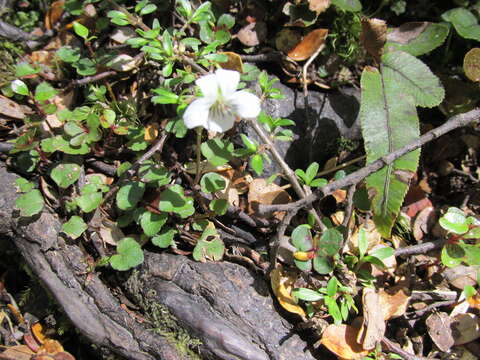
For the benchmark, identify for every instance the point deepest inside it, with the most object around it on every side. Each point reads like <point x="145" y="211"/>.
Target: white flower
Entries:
<point x="221" y="103"/>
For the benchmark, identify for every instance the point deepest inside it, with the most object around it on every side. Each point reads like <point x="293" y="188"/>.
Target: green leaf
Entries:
<point x="362" y="242"/>
<point x="311" y="172"/>
<point x="452" y="255"/>
<point x="165" y="238"/>
<point x="24" y="185"/>
<point x="148" y="9"/>
<point x="323" y="264"/>
<point x="167" y="43"/>
<point x="80" y="30"/>
<point x="202" y="12"/>
<point x="464" y="22"/>
<point x="333" y="309"/>
<point x="74" y="227"/>
<point x="219" y="206"/>
<point x="472" y="233"/>
<point x="226" y="20"/>
<point x="44" y="91"/>
<point x="432" y="36"/>
<point x="129" y="195"/>
<point x="30" y="203"/>
<point x="454" y="221"/>
<point x="129" y="254"/>
<point x="332" y="286"/>
<point x="118" y="17"/>
<point x="256" y="162"/>
<point x="251" y="145"/>
<point x="413" y="77"/>
<point x="348" y="5"/>
<point x="217" y="151"/>
<point x="307" y="294"/>
<point x="65" y="174"/>
<point x="302" y="237"/>
<point x="85" y="67"/>
<point x="319" y="182"/>
<point x="211" y="250"/>
<point x="89" y="201"/>
<point x="389" y="121"/>
<point x="173" y="199"/>
<point x="151" y="223"/>
<point x="164" y="96"/>
<point x="25" y="69"/>
<point x="383" y="253"/>
<point x="330" y="242"/>
<point x="212" y="182"/>
<point x="19" y="87"/>
<point x="68" y="54"/>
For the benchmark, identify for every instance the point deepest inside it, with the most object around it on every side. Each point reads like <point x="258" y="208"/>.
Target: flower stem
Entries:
<point x="199" y="154"/>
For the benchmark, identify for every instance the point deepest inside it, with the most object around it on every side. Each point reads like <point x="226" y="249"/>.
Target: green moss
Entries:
<point x="164" y="323"/>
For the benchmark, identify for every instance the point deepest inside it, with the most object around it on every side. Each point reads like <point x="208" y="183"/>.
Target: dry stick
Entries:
<point x="391" y="346"/>
<point x="274" y="56"/>
<point x="341" y="166"/>
<point x="453" y="123"/>
<point x="88" y="80"/>
<point x="348" y="213"/>
<point x="286" y="169"/>
<point x="420" y="248"/>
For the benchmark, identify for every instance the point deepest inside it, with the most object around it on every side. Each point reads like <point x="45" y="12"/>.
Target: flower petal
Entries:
<point x="196" y="113"/>
<point x="227" y="81"/>
<point x="220" y="121"/>
<point x="209" y="86"/>
<point x="245" y="104"/>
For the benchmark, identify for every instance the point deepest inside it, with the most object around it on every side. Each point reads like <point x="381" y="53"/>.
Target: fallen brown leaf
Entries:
<point x="373" y="36"/>
<point x="471" y="64"/>
<point x="407" y="32"/>
<point x="373" y="327"/>
<point x="341" y="340"/>
<point x="308" y="45"/>
<point x="282" y="284"/>
<point x="394" y="302"/>
<point x="260" y="192"/>
<point x="438" y="326"/>
<point x="465" y="328"/>
<point x="234" y="61"/>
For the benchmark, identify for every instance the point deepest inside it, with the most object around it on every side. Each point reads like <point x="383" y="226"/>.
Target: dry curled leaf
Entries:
<point x="342" y="341"/>
<point x="54" y="14"/>
<point x="465" y="328"/>
<point x="373" y="236"/>
<point x="234" y="61"/>
<point x="151" y="132"/>
<point x="18" y="352"/>
<point x="438" y="326"/>
<point x="318" y="6"/>
<point x="373" y="326"/>
<point x="11" y="108"/>
<point x="373" y="36"/>
<point x="253" y="34"/>
<point x="471" y="64"/>
<point x="282" y="284"/>
<point x="394" y="302"/>
<point x="260" y="192"/>
<point x="308" y="45"/>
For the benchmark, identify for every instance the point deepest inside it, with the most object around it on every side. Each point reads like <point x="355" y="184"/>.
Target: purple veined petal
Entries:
<point x="209" y="86"/>
<point x="227" y="81"/>
<point x="197" y="113"/>
<point x="220" y="121"/>
<point x="245" y="104"/>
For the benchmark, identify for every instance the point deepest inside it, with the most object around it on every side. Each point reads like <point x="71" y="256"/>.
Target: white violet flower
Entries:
<point x="221" y="103"/>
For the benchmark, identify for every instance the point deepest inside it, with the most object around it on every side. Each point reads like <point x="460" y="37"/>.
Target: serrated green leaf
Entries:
<point x="65" y="174"/>
<point x="212" y="182"/>
<point x="432" y="36"/>
<point x="464" y="22"/>
<point x="348" y="5"/>
<point x="129" y="254"/>
<point x="30" y="203"/>
<point x="411" y="76"/>
<point x="389" y="121"/>
<point x="44" y="91"/>
<point x="19" y="87"/>
<point x="151" y="223"/>
<point x="307" y="294"/>
<point x="129" y="195"/>
<point x="24" y="69"/>
<point x="74" y="227"/>
<point x="164" y="239"/>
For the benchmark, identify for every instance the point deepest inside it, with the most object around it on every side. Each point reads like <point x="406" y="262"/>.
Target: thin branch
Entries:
<point x="453" y="123"/>
<point x="392" y="347"/>
<point x="89" y="79"/>
<point x="420" y="248"/>
<point x="274" y="56"/>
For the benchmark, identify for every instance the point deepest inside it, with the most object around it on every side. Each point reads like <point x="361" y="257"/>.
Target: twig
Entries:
<point x="420" y="248"/>
<point x="89" y="79"/>
<point x="470" y="176"/>
<point x="341" y="166"/>
<point x="273" y="56"/>
<point x="286" y="169"/>
<point x="348" y="214"/>
<point x="453" y="123"/>
<point x="420" y="312"/>
<point x="392" y="347"/>
<point x="276" y="240"/>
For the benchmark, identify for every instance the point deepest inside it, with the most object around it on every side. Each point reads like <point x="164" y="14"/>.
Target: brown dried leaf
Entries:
<point x="394" y="302"/>
<point x="318" y="6"/>
<point x="54" y="14"/>
<point x="234" y="62"/>
<point x="373" y="327"/>
<point x="253" y="34"/>
<point x="424" y="222"/>
<point x="373" y="36"/>
<point x="230" y="193"/>
<point x="308" y="45"/>
<point x="438" y="326"/>
<point x="38" y="332"/>
<point x="407" y="32"/>
<point x="151" y="132"/>
<point x="465" y="328"/>
<point x="11" y="108"/>
<point x="282" y="284"/>
<point x="260" y="192"/>
<point x="18" y="352"/>
<point x="341" y="340"/>
<point x="461" y="276"/>
<point x="373" y="236"/>
<point x="110" y="233"/>
<point x="471" y="64"/>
